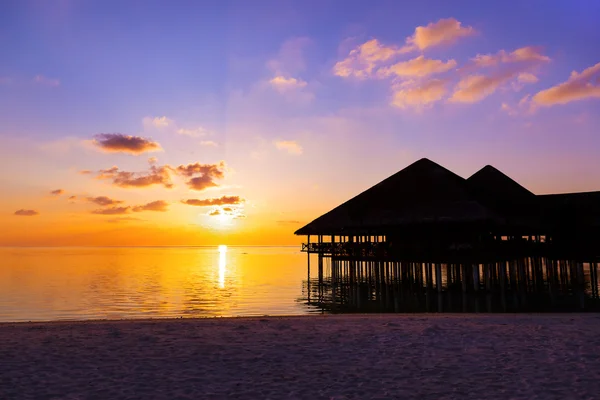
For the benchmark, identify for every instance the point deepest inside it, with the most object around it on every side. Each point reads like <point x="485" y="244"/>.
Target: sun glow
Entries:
<point x="222" y="264"/>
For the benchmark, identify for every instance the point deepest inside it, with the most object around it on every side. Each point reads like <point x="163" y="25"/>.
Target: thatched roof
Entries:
<point x="505" y="196"/>
<point x="423" y="192"/>
<point x="425" y="195"/>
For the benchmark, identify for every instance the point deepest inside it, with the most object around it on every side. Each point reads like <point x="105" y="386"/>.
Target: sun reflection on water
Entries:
<point x="222" y="264"/>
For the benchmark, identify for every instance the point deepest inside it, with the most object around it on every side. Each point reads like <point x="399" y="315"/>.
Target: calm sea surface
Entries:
<point x="41" y="284"/>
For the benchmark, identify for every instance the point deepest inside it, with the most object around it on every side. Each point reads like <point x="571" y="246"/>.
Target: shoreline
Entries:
<point x="340" y="356"/>
<point x="305" y="316"/>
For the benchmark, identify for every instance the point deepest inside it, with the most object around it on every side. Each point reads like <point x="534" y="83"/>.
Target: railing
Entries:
<point x="385" y="250"/>
<point x="369" y="249"/>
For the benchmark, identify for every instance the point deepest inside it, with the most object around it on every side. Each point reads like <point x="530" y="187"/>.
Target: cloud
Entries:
<point x="224" y="200"/>
<point x="200" y="183"/>
<point x="522" y="107"/>
<point x="215" y="170"/>
<point x="515" y="66"/>
<point x="85" y="172"/>
<point x="112" y="211"/>
<point x="104" y="201"/>
<point x="283" y="84"/>
<point x="57" y="192"/>
<point x="157" y="175"/>
<point x="443" y="32"/>
<point x="474" y="88"/>
<point x="120" y="143"/>
<point x="417" y="67"/>
<point x="207" y="174"/>
<point x="72" y="198"/>
<point x="209" y="143"/>
<point x="291" y="146"/>
<point x="214" y="213"/>
<point x="157" y="122"/>
<point x="158" y="205"/>
<point x="44" y="81"/>
<point x="196" y="132"/>
<point x="361" y="61"/>
<point x="579" y="86"/>
<point x="523" y="54"/>
<point x="26" y="213"/>
<point x="228" y="209"/>
<point x="202" y="176"/>
<point x="418" y="94"/>
<point x="527" y="77"/>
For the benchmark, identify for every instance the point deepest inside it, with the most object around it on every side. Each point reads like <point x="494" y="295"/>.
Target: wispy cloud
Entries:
<point x="157" y="175"/>
<point x="417" y="67"/>
<point x="523" y="54"/>
<point x="362" y="60"/>
<point x="580" y="86"/>
<point x="220" y="201"/>
<point x="515" y="67"/>
<point x="112" y="211"/>
<point x="283" y="84"/>
<point x="157" y="122"/>
<point x="104" y="201"/>
<point x="120" y="143"/>
<point x="195" y="132"/>
<point x="209" y="143"/>
<point x="26" y="213"/>
<point x="291" y="146"/>
<point x="44" y="81"/>
<point x="158" y="205"/>
<point x="418" y="95"/>
<point x="201" y="176"/>
<point x="57" y="192"/>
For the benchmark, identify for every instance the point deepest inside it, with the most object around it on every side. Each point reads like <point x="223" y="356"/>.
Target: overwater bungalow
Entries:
<point x="425" y="229"/>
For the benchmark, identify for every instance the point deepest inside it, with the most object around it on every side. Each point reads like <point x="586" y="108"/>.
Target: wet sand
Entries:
<point x="319" y="357"/>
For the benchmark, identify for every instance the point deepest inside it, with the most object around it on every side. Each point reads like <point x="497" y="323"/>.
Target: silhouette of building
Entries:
<point x="484" y="232"/>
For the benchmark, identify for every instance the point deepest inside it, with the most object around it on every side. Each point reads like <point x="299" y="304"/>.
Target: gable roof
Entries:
<point x="501" y="193"/>
<point x="422" y="192"/>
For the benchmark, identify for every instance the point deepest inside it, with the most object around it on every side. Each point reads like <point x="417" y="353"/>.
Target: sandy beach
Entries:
<point x="319" y="357"/>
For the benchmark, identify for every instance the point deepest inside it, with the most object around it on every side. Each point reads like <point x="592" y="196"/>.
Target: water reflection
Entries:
<point x="98" y="283"/>
<point x="222" y="265"/>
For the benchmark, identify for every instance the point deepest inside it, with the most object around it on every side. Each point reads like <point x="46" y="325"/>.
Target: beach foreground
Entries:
<point x="320" y="357"/>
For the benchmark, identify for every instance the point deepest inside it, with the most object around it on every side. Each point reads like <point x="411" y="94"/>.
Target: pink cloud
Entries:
<point x="580" y="86"/>
<point x="417" y="67"/>
<point x="361" y="61"/>
<point x="443" y="32"/>
<point x="418" y="94"/>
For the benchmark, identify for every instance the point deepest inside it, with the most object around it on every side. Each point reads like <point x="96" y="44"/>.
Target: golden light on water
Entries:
<point x="222" y="264"/>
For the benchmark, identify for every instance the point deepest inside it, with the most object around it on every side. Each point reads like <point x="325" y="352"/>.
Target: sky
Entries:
<point x="237" y="122"/>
